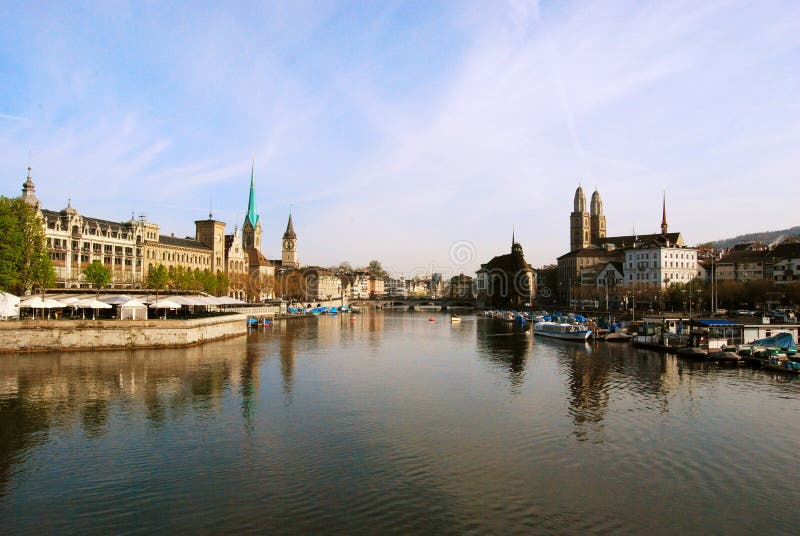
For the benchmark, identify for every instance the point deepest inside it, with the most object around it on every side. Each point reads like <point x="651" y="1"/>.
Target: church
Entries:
<point x="651" y="259"/>
<point x="506" y="281"/>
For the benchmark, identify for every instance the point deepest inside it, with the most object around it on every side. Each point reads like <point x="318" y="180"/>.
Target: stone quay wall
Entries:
<point x="68" y="335"/>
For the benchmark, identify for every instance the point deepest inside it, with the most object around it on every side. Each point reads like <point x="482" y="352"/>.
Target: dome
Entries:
<point x="68" y="210"/>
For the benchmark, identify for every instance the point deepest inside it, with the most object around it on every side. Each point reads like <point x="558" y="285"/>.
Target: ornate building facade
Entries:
<point x="130" y="249"/>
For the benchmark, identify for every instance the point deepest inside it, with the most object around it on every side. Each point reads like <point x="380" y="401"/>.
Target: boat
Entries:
<point x="556" y="330"/>
<point x="455" y="318"/>
<point x="618" y="336"/>
<point x="782" y="365"/>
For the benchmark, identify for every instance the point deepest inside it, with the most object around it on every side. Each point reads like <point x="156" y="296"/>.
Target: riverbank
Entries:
<point x="72" y="335"/>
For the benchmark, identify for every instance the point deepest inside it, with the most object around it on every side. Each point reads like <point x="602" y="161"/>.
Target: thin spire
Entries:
<point x="513" y="232"/>
<point x="252" y="216"/>
<point x="664" y="226"/>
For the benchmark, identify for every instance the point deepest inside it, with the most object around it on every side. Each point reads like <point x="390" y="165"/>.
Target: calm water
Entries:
<point x="393" y="424"/>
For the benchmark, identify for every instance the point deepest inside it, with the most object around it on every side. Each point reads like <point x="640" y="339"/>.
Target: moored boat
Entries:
<point x="556" y="330"/>
<point x="618" y="336"/>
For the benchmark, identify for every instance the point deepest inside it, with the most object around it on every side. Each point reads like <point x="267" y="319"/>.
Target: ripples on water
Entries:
<point x="391" y="423"/>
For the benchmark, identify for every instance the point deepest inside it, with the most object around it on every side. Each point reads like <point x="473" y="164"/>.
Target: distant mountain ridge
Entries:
<point x="764" y="237"/>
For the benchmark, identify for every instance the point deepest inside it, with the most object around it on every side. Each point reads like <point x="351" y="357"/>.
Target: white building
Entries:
<point x="660" y="264"/>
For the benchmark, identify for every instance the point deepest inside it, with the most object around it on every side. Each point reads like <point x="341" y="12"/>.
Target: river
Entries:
<point x="390" y="423"/>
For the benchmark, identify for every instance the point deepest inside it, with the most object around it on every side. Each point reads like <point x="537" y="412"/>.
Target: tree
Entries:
<point x="97" y="274"/>
<point x="24" y="260"/>
<point x="222" y="283"/>
<point x="375" y="268"/>
<point x="157" y="278"/>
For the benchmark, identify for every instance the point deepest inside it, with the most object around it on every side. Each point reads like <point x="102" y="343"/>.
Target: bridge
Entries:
<point x="416" y="303"/>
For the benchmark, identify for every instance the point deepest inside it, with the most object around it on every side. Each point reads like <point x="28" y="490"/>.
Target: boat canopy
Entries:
<point x="714" y="322"/>
<point x="781" y="340"/>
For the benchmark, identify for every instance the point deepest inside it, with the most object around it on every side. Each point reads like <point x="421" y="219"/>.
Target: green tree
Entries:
<point x="222" y="283"/>
<point x="157" y="278"/>
<point x="97" y="274"/>
<point x="375" y="268"/>
<point x="24" y="260"/>
<point x="208" y="282"/>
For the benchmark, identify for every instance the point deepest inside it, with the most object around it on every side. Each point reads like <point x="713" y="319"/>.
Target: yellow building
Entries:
<point x="130" y="249"/>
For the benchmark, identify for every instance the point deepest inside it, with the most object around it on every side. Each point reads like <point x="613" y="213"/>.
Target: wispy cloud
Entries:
<point x="406" y="127"/>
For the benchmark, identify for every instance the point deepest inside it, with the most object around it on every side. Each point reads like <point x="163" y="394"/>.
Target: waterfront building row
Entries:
<point x="131" y="248"/>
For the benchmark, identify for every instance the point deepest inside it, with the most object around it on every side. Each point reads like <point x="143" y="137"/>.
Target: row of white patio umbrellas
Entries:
<point x="125" y="301"/>
<point x="122" y="300"/>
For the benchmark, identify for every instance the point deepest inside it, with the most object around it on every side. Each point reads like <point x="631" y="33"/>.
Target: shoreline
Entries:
<point x="82" y="335"/>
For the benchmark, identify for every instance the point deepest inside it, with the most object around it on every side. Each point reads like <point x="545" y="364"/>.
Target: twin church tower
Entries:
<point x="586" y="227"/>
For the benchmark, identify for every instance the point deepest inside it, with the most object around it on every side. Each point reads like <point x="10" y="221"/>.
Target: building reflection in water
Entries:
<point x="588" y="386"/>
<point x="594" y="370"/>
<point x="506" y="346"/>
<point x="43" y="392"/>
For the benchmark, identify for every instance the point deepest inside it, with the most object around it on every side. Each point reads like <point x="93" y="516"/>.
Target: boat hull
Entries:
<point x="580" y="336"/>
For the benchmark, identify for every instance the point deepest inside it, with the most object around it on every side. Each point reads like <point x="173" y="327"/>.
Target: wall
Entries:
<point x="66" y="335"/>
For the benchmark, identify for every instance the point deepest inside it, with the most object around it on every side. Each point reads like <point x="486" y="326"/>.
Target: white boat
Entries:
<point x="570" y="332"/>
<point x="455" y="318"/>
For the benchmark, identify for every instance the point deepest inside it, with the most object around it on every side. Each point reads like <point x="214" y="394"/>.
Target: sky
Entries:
<point x="421" y="134"/>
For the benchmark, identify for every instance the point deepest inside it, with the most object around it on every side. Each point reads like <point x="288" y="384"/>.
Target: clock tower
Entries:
<point x="289" y="246"/>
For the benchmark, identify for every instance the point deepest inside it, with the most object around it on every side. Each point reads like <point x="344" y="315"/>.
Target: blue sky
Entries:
<point x="417" y="133"/>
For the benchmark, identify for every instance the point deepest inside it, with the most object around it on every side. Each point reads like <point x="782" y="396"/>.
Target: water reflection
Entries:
<point x="506" y="345"/>
<point x="40" y="393"/>
<point x="390" y="423"/>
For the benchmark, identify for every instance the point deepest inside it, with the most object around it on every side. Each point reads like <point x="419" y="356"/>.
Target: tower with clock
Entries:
<point x="289" y="246"/>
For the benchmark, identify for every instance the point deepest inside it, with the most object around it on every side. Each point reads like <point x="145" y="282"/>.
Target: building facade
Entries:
<point x="130" y="249"/>
<point x="506" y="281"/>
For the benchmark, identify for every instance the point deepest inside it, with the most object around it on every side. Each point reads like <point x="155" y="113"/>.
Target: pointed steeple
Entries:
<point x="664" y="215"/>
<point x="289" y="229"/>
<point x="252" y="216"/>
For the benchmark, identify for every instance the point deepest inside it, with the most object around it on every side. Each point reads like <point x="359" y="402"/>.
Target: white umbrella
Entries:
<point x="91" y="303"/>
<point x="134" y="305"/>
<point x="38" y="303"/>
<point x="9" y="304"/>
<point x="116" y="300"/>
<point x="227" y="300"/>
<point x="165" y="304"/>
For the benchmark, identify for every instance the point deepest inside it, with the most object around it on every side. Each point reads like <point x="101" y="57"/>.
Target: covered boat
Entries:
<point x="556" y="330"/>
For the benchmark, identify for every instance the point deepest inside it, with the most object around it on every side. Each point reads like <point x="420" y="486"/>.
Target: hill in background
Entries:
<point x="764" y="237"/>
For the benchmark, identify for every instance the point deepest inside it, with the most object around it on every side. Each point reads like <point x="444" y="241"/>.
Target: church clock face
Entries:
<point x="288" y="245"/>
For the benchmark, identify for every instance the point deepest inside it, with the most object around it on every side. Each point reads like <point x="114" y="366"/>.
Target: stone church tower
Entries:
<point x="597" y="221"/>
<point x="251" y="229"/>
<point x="579" y="235"/>
<point x="289" y="247"/>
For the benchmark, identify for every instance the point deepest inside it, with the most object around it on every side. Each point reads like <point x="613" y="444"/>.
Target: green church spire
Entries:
<point x="252" y="216"/>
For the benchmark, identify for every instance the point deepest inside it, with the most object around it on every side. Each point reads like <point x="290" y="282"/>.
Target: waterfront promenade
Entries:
<point x="37" y="335"/>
